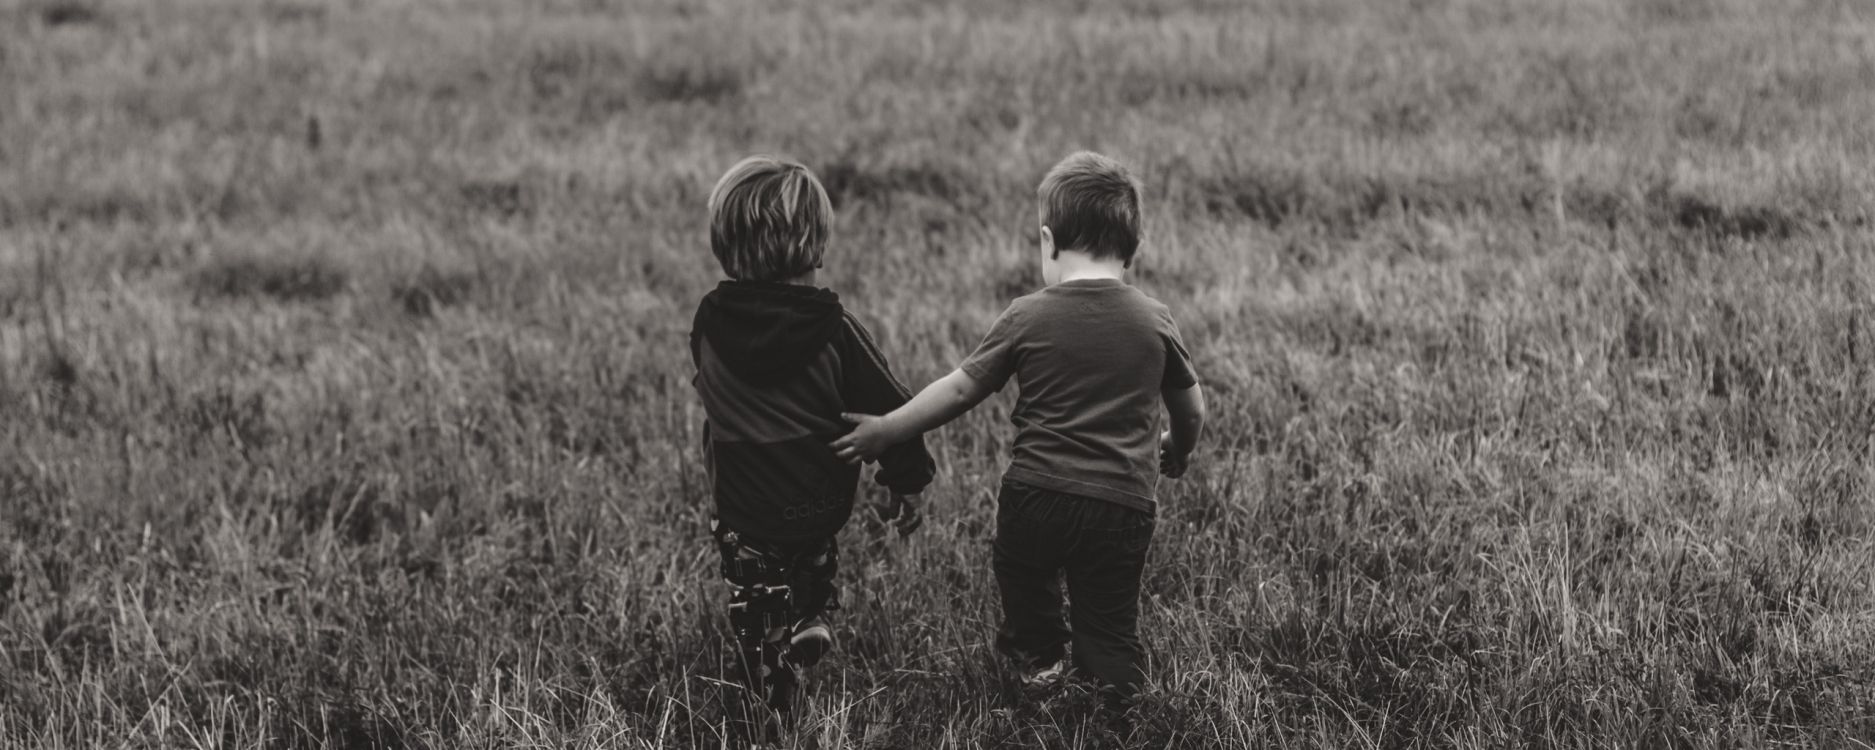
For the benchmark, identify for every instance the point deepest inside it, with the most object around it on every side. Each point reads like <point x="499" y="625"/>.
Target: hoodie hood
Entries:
<point x="767" y="332"/>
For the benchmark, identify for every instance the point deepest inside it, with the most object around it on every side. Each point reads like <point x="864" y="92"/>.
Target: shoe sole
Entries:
<point x="807" y="647"/>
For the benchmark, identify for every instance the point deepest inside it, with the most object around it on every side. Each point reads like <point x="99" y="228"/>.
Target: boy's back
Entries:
<point x="776" y="365"/>
<point x="1090" y="358"/>
<point x="1093" y="358"/>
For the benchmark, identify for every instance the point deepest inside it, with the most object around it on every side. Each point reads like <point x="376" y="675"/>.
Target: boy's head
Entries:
<point x="769" y="220"/>
<point x="1090" y="203"/>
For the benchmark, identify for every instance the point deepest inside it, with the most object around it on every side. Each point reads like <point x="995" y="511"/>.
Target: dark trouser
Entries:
<point x="775" y="588"/>
<point x="1102" y="547"/>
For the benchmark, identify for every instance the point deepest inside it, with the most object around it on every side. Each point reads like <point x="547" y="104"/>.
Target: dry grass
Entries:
<point x="343" y="399"/>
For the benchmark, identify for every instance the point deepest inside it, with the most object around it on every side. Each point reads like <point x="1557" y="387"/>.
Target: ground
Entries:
<point x="344" y="394"/>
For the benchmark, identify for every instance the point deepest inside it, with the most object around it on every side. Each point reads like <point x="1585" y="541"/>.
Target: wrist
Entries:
<point x="892" y="428"/>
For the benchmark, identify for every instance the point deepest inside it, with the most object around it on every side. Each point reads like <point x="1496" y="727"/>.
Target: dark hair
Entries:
<point x="1091" y="203"/>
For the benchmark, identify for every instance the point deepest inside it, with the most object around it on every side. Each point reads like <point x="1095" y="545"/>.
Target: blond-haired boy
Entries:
<point x="778" y="360"/>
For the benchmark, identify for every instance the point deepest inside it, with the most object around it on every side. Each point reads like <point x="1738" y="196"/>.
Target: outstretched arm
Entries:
<point x="943" y="400"/>
<point x="1186" y="408"/>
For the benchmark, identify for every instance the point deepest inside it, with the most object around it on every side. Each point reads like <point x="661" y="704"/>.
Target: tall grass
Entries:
<point x="344" y="400"/>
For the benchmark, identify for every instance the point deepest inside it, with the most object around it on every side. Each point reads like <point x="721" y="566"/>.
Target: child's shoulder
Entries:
<point x="1124" y="296"/>
<point x="1028" y="307"/>
<point x="854" y="324"/>
<point x="854" y="332"/>
<point x="1147" y="299"/>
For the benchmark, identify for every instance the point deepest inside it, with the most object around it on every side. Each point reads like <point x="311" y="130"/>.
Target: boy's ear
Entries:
<point x="1048" y="244"/>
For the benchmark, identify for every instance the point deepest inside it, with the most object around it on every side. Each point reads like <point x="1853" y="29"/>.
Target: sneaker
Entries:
<point x="1045" y="676"/>
<point x="782" y="685"/>
<point x="810" y="643"/>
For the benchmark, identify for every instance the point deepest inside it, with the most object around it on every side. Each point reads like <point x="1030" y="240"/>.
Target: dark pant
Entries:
<point x="1102" y="547"/>
<point x="775" y="589"/>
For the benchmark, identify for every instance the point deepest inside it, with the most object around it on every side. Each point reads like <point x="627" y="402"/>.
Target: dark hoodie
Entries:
<point x="776" y="365"/>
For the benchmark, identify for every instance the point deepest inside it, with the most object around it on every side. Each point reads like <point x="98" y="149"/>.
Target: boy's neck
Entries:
<point x="806" y="279"/>
<point x="1078" y="266"/>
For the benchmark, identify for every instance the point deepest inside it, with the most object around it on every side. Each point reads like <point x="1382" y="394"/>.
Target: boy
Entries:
<point x="778" y="360"/>
<point x="1092" y="357"/>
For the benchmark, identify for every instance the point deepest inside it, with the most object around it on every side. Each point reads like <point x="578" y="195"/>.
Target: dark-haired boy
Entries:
<point x="1092" y="358"/>
<point x="778" y="360"/>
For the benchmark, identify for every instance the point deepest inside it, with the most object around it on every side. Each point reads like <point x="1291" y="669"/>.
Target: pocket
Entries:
<point x="1014" y="498"/>
<point x="1016" y="487"/>
<point x="1012" y="508"/>
<point x="1135" y="538"/>
<point x="1024" y="512"/>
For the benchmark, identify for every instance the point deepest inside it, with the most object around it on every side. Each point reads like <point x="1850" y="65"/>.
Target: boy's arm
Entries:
<point x="1186" y="408"/>
<point x="982" y="373"/>
<point x="942" y="401"/>
<point x="1184" y="402"/>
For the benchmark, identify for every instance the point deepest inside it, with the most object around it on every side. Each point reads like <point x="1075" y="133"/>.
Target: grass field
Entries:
<point x="344" y="399"/>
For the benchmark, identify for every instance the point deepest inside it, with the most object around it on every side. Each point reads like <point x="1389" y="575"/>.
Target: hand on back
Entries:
<point x="870" y="437"/>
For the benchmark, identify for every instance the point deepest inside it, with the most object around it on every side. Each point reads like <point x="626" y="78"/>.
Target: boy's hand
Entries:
<point x="1171" y="462"/>
<point x="901" y="511"/>
<point x="869" y="438"/>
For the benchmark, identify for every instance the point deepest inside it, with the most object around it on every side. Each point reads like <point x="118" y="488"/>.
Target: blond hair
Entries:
<point x="1090" y="203"/>
<point x="769" y="219"/>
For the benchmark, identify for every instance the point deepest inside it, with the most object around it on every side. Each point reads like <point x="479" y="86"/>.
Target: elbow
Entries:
<point x="964" y="392"/>
<point x="1187" y="406"/>
<point x="1190" y="415"/>
<point x="961" y="391"/>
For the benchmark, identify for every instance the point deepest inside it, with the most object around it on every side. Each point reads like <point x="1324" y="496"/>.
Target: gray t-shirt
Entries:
<point x="1090" y="358"/>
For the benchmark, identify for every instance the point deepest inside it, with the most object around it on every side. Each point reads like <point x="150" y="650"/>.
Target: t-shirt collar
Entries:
<point x="1090" y="283"/>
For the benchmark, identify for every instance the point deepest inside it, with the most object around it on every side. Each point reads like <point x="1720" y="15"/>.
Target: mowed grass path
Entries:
<point x="344" y="392"/>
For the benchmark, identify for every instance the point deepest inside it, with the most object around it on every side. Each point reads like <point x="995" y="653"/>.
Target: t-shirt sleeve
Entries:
<point x="1179" y="374"/>
<point x="994" y="361"/>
